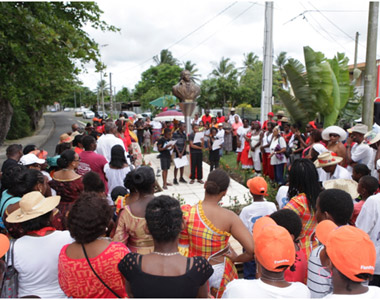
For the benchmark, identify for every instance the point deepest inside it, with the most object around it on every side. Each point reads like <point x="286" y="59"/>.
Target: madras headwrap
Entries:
<point x="201" y="238"/>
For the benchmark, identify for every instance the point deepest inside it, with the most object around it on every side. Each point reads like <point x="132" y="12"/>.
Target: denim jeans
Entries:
<point x="279" y="173"/>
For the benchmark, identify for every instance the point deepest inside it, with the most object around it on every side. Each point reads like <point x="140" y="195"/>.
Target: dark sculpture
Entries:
<point x="186" y="90"/>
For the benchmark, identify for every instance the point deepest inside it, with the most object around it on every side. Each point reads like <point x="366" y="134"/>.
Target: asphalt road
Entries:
<point x="63" y="122"/>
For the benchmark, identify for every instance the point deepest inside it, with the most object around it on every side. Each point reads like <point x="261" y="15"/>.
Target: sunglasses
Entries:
<point x="334" y="135"/>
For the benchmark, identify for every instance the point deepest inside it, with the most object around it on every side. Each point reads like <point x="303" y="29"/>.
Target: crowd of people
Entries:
<point x="85" y="222"/>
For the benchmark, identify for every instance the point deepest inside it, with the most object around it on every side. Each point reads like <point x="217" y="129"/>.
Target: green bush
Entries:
<point x="20" y="124"/>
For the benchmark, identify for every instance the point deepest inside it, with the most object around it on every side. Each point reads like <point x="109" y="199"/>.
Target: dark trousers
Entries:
<point x="196" y="165"/>
<point x="234" y="143"/>
<point x="279" y="173"/>
<point x="375" y="280"/>
<point x="214" y="158"/>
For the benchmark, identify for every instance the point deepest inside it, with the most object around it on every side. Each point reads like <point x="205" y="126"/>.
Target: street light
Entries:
<point x="101" y="80"/>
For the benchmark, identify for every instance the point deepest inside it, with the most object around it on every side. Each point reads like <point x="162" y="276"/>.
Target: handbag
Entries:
<point x="96" y="274"/>
<point x="9" y="286"/>
<point x="279" y="156"/>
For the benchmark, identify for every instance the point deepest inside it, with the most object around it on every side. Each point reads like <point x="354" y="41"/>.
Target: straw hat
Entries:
<point x="280" y="113"/>
<point x="334" y="129"/>
<point x="65" y="138"/>
<point x="359" y="128"/>
<point x="372" y="137"/>
<point x="327" y="159"/>
<point x="348" y="185"/>
<point x="33" y="205"/>
<point x="284" y="120"/>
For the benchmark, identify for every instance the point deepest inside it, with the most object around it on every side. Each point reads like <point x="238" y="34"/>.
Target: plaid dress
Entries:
<point x="201" y="238"/>
<point x="307" y="238"/>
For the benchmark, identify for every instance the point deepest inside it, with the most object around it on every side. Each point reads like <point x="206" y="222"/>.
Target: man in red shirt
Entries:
<point x="270" y="119"/>
<point x="220" y="118"/>
<point x="206" y="118"/>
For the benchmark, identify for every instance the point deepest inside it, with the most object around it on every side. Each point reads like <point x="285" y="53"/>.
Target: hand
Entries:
<point x="231" y="255"/>
<point x="180" y="155"/>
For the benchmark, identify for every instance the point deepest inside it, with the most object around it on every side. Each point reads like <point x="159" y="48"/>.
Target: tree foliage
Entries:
<point x="41" y="44"/>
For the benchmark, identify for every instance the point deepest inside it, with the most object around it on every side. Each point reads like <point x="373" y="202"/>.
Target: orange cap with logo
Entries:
<point x="257" y="186"/>
<point x="349" y="248"/>
<point x="274" y="246"/>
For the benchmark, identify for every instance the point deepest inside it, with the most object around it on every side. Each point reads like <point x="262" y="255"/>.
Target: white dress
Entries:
<point x="255" y="155"/>
<point x="115" y="177"/>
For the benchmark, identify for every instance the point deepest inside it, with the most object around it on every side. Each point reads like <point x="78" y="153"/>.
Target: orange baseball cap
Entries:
<point x="4" y="244"/>
<point x="349" y="248"/>
<point x="257" y="186"/>
<point x="274" y="246"/>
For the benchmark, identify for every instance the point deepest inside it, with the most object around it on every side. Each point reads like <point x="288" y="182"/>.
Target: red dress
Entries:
<point x="246" y="161"/>
<point x="77" y="280"/>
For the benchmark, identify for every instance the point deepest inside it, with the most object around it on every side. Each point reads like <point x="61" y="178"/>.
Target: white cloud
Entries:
<point x="148" y="26"/>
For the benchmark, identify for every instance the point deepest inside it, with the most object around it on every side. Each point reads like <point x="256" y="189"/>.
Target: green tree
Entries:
<point x="250" y="62"/>
<point x="280" y="62"/>
<point x="208" y="97"/>
<point x="124" y="95"/>
<point x="155" y="82"/>
<point x="165" y="57"/>
<point x="43" y="46"/>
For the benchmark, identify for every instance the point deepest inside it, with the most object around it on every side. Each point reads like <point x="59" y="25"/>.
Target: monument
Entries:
<point x="187" y="92"/>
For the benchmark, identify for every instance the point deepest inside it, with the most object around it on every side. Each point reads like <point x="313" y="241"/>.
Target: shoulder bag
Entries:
<point x="9" y="286"/>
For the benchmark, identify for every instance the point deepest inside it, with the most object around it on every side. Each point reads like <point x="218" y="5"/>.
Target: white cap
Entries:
<point x="30" y="159"/>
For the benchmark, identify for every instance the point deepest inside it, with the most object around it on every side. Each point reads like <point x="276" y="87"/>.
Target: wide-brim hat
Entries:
<point x="33" y="205"/>
<point x="327" y="159"/>
<point x="372" y="137"/>
<point x="65" y="138"/>
<point x="359" y="128"/>
<point x="284" y="120"/>
<point x="348" y="185"/>
<point x="334" y="129"/>
<point x="280" y="113"/>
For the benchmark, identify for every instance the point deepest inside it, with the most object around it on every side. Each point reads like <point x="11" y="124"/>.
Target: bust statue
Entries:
<point x="186" y="90"/>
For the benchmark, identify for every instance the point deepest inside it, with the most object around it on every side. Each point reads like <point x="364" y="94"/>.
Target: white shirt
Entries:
<point x="231" y="118"/>
<point x="251" y="213"/>
<point x="282" y="196"/>
<point x="267" y="138"/>
<point x="372" y="293"/>
<point x="156" y="125"/>
<point x="369" y="221"/>
<point x="241" y="132"/>
<point x="105" y="144"/>
<point x="193" y="121"/>
<point x="36" y="260"/>
<point x="317" y="277"/>
<point x="115" y="177"/>
<point x="361" y="154"/>
<point x="220" y="135"/>
<point x="255" y="289"/>
<point x="339" y="173"/>
<point x="274" y="160"/>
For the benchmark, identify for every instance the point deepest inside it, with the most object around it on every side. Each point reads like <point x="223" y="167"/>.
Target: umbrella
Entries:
<point x="167" y="100"/>
<point x="169" y="115"/>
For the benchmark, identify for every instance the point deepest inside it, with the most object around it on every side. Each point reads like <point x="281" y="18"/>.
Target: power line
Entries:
<point x="186" y="36"/>
<point x="210" y="36"/>
<point x="316" y="10"/>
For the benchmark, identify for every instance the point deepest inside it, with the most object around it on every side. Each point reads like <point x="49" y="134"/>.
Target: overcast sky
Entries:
<point x="205" y="31"/>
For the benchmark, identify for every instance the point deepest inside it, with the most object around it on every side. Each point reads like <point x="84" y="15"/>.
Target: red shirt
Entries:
<point x="96" y="162"/>
<point x="221" y="119"/>
<point x="206" y="119"/>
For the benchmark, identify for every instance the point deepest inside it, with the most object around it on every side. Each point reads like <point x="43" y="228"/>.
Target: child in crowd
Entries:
<point x="274" y="252"/>
<point x="369" y="221"/>
<point x="196" y="156"/>
<point x="165" y="158"/>
<point x="257" y="209"/>
<point x="147" y="140"/>
<point x="293" y="224"/>
<point x="335" y="205"/>
<point x="367" y="186"/>
<point x="349" y="256"/>
<point x="214" y="155"/>
<point x="359" y="171"/>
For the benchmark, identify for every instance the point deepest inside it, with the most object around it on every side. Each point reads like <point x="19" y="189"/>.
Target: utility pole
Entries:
<point x="266" y="91"/>
<point x="75" y="101"/>
<point x="356" y="50"/>
<point x="101" y="92"/>
<point x="111" y="102"/>
<point x="370" y="67"/>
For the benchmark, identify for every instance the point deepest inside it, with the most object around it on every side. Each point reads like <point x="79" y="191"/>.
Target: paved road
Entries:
<point x="63" y="121"/>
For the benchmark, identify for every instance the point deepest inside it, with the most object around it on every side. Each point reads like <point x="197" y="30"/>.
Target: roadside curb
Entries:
<point x="48" y="136"/>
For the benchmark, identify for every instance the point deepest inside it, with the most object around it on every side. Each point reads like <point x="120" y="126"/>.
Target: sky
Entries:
<point x="205" y="31"/>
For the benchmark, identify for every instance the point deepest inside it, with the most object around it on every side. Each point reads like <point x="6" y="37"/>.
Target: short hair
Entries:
<point x="93" y="183"/>
<point x="117" y="157"/>
<point x="118" y="191"/>
<point x="217" y="182"/>
<point x="87" y="141"/>
<point x="60" y="148"/>
<point x="369" y="183"/>
<point x="109" y="126"/>
<point x="164" y="218"/>
<point x="66" y="158"/>
<point x="317" y="135"/>
<point x="9" y="177"/>
<point x="213" y="129"/>
<point x="141" y="180"/>
<point x="303" y="178"/>
<point x="89" y="217"/>
<point x="288" y="219"/>
<point x="77" y="140"/>
<point x="29" y="148"/>
<point x="361" y="169"/>
<point x="25" y="181"/>
<point x="338" y="204"/>
<point x="13" y="149"/>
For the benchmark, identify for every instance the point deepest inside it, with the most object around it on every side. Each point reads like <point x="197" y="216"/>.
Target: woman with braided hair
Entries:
<point x="165" y="273"/>
<point x="131" y="222"/>
<point x="208" y="228"/>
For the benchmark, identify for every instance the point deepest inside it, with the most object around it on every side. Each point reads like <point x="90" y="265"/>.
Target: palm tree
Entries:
<point x="224" y="69"/>
<point x="165" y="57"/>
<point x="281" y="61"/>
<point x="189" y="66"/>
<point x="249" y="62"/>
